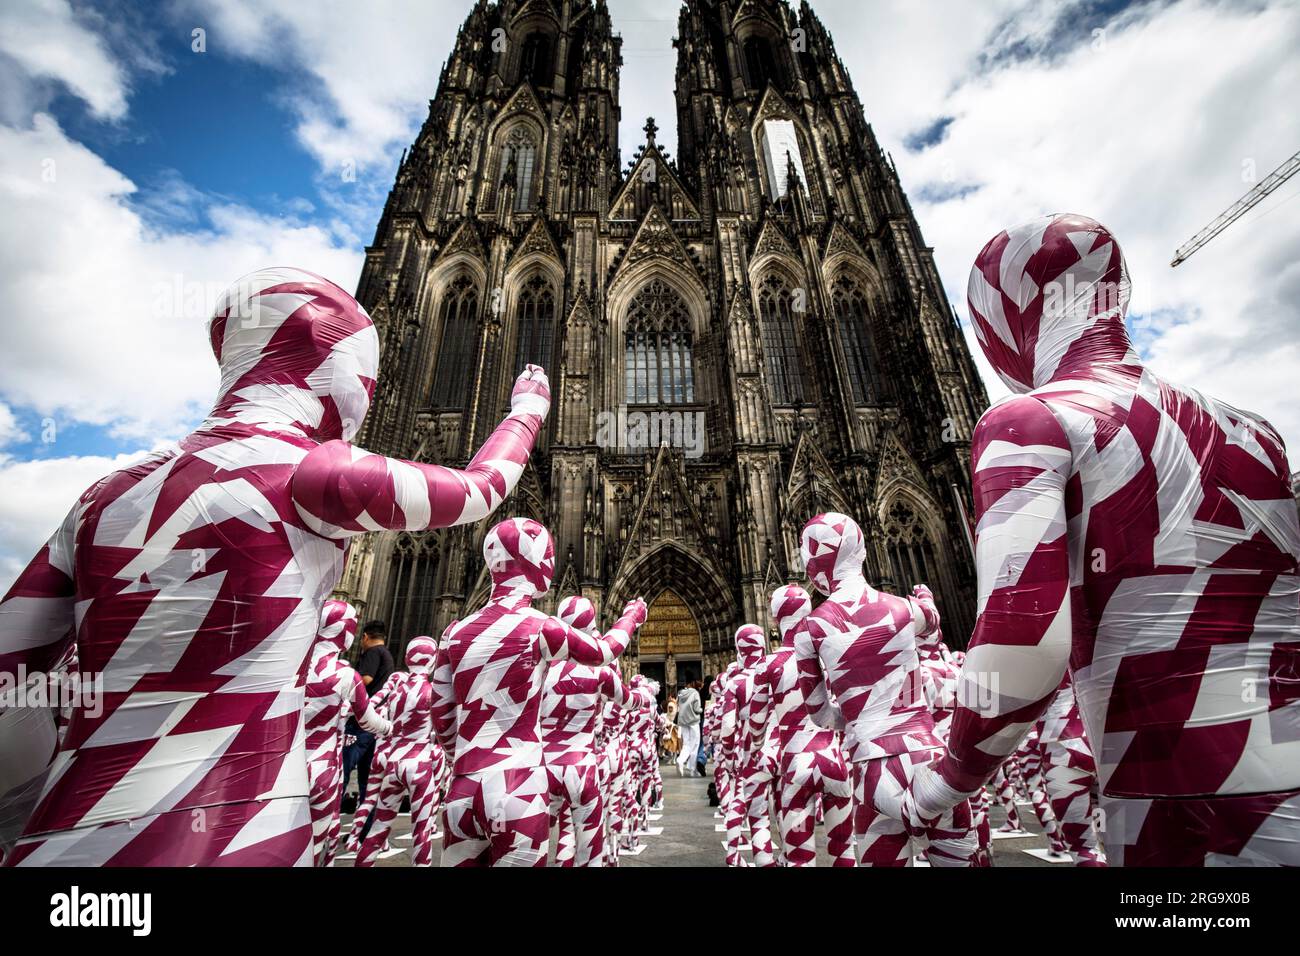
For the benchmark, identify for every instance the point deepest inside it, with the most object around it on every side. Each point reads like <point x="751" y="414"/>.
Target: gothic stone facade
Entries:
<point x="769" y="286"/>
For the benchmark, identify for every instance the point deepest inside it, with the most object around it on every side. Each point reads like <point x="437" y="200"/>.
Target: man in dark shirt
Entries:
<point x="376" y="662"/>
<point x="374" y="667"/>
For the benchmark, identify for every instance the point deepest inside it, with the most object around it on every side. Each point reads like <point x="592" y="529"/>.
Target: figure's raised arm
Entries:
<point x="1021" y="645"/>
<point x="561" y="640"/>
<point x="925" y="613"/>
<point x="613" y="688"/>
<point x="340" y="490"/>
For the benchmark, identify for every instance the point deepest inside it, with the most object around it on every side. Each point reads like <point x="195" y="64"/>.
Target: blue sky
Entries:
<point x="138" y="178"/>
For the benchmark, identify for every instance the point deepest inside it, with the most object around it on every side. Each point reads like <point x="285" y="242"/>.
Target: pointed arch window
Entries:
<point x="658" y="357"/>
<point x="535" y="60"/>
<point x="911" y="553"/>
<point x="853" y="317"/>
<point x="410" y="607"/>
<point x="535" y="321"/>
<point x="781" y="353"/>
<point x="518" y="164"/>
<point x="760" y="63"/>
<point x="459" y="348"/>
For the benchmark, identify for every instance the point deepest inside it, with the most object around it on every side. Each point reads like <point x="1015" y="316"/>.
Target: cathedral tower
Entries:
<point x="737" y="338"/>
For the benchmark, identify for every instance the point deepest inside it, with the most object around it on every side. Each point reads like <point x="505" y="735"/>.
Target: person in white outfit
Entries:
<point x="689" y="710"/>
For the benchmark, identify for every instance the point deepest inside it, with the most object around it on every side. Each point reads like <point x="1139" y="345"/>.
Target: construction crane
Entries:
<point x="1238" y="209"/>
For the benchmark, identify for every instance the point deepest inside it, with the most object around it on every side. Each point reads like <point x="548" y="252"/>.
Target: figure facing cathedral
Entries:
<point x="737" y="337"/>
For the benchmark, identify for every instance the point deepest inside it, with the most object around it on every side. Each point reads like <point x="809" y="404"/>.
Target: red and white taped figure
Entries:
<point x="193" y="581"/>
<point x="719" y="714"/>
<point x="744" y="737"/>
<point x="609" y="740"/>
<point x="488" y="693"/>
<point x="616" y="732"/>
<point x="573" y="698"/>
<point x="1069" y="775"/>
<point x="643" y="761"/>
<point x="1029" y="773"/>
<point x="1144" y="534"/>
<point x="408" y="762"/>
<point x="859" y="645"/>
<point x="809" y="765"/>
<point x="938" y="674"/>
<point x="1004" y="785"/>
<point x="709" y="728"/>
<point x="939" y="681"/>
<point x="334" y="692"/>
<point x="733" y="814"/>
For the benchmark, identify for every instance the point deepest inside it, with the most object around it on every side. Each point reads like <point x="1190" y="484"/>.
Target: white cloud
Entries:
<point x="10" y="431"/>
<point x="105" y="315"/>
<point x="52" y="44"/>
<point x="35" y="496"/>
<point x="1146" y="130"/>
<point x="358" y="76"/>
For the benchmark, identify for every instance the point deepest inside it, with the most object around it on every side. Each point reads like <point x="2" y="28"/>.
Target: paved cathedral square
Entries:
<point x="739" y="336"/>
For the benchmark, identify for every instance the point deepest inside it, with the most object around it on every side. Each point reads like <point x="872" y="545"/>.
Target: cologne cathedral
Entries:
<point x="738" y="336"/>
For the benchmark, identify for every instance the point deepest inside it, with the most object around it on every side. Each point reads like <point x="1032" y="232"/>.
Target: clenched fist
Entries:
<point x="532" y="392"/>
<point x="637" y="608"/>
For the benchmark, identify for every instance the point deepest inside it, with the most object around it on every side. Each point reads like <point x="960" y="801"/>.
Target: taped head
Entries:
<point x="1048" y="298"/>
<point x="338" y="625"/>
<point x="294" y="349"/>
<point x="420" y="654"/>
<point x="832" y="549"/>
<point x="751" y="644"/>
<point x="641" y="682"/>
<point x="520" y="556"/>
<point x="577" y="612"/>
<point x="790" y="605"/>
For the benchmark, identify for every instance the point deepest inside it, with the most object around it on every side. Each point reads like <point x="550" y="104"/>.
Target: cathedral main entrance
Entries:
<point x="668" y="645"/>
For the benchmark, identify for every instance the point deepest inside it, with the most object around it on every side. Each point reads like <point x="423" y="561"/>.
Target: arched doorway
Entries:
<point x="668" y="645"/>
<point x="688" y="574"/>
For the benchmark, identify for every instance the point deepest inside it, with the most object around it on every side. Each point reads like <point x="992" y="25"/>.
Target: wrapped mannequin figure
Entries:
<point x="745" y="737"/>
<point x="193" y="581"/>
<point x="334" y="692"/>
<point x="939" y="679"/>
<point x="573" y="697"/>
<point x="643" y="761"/>
<point x="938" y="674"/>
<point x="617" y="731"/>
<point x="1004" y="785"/>
<point x="1069" y="776"/>
<point x="488" y="694"/>
<point x="860" y="646"/>
<point x="721" y="708"/>
<point x="709" y="730"/>
<point x="408" y="761"/>
<point x="809" y="764"/>
<point x="1144" y="534"/>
